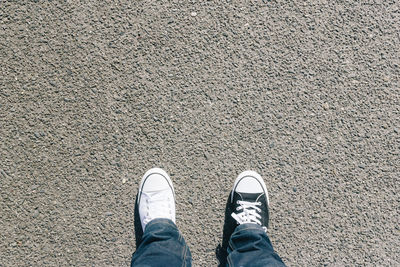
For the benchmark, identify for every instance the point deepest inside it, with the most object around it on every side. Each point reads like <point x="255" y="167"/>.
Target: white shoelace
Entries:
<point x="159" y="206"/>
<point x="249" y="213"/>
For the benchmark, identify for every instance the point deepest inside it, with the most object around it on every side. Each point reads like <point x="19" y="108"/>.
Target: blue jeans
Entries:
<point x="163" y="245"/>
<point x="250" y="246"/>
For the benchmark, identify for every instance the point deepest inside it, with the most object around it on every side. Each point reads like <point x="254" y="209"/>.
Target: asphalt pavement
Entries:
<point x="94" y="93"/>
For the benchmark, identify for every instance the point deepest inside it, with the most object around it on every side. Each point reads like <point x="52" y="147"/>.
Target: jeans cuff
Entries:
<point x="161" y="222"/>
<point x="249" y="226"/>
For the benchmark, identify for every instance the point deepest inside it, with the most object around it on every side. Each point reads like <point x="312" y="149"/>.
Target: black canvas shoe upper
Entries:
<point x="247" y="208"/>
<point x="247" y="204"/>
<point x="250" y="208"/>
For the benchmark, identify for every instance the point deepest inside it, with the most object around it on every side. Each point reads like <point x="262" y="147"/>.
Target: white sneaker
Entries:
<point x="156" y="197"/>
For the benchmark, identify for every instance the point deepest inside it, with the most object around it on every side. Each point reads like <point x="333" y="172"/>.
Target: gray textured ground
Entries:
<point x="93" y="93"/>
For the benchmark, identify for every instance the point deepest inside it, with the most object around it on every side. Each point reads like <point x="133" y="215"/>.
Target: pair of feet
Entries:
<point x="247" y="203"/>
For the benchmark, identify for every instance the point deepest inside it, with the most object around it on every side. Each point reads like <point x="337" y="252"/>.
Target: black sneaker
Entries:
<point x="247" y="203"/>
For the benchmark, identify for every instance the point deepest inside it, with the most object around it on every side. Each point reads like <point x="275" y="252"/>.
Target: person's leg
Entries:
<point x="245" y="237"/>
<point x="161" y="243"/>
<point x="249" y="245"/>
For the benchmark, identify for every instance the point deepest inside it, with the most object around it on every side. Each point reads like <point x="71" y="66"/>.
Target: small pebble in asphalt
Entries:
<point x="35" y="214"/>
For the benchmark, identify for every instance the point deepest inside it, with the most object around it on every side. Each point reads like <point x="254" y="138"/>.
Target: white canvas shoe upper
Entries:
<point x="156" y="197"/>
